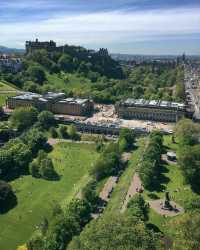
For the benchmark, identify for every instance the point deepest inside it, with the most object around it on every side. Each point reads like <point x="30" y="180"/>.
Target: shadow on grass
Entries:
<point x="153" y="228"/>
<point x="153" y="196"/>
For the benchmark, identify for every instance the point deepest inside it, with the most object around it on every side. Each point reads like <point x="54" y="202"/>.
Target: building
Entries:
<point x="54" y="102"/>
<point x="32" y="46"/>
<point x="154" y="110"/>
<point x="73" y="106"/>
<point x="13" y="64"/>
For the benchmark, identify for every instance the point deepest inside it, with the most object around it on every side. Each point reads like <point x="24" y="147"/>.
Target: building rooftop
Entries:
<point x="152" y="103"/>
<point x="74" y="101"/>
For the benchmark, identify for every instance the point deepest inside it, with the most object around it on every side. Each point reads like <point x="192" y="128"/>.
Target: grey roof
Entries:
<point x="74" y="101"/>
<point x="153" y="103"/>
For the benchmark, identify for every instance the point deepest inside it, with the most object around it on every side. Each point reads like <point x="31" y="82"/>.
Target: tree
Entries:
<point x="63" y="131"/>
<point x="35" y="139"/>
<point x="137" y="208"/>
<point x="42" y="167"/>
<point x="65" y="63"/>
<point x="7" y="197"/>
<point x="46" y="119"/>
<point x="187" y="235"/>
<point x="23" y="118"/>
<point x="189" y="161"/>
<point x="128" y="135"/>
<point x="37" y="74"/>
<point x="72" y="132"/>
<point x="53" y="132"/>
<point x="117" y="232"/>
<point x="187" y="132"/>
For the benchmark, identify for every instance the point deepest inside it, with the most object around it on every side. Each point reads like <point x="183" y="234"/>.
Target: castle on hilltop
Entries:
<point x="50" y="46"/>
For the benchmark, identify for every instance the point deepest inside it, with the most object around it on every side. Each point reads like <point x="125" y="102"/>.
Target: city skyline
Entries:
<point x="128" y="26"/>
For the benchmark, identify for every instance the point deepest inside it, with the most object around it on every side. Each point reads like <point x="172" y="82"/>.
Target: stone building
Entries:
<point x="73" y="106"/>
<point x="32" y="46"/>
<point x="154" y="110"/>
<point x="54" y="102"/>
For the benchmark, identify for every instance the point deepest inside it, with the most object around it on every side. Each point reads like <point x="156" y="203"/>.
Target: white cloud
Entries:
<point x="105" y="27"/>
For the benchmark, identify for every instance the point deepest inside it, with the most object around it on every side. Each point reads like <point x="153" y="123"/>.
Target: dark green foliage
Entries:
<point x="189" y="161"/>
<point x="23" y="118"/>
<point x="137" y="208"/>
<point x="126" y="138"/>
<point x="7" y="197"/>
<point x="14" y="159"/>
<point x="89" y="194"/>
<point x="35" y="139"/>
<point x="36" y="74"/>
<point x="117" y="232"/>
<point x="188" y="135"/>
<point x="63" y="133"/>
<point x="149" y="169"/>
<point x="72" y="133"/>
<point x="53" y="132"/>
<point x="42" y="167"/>
<point x="46" y="119"/>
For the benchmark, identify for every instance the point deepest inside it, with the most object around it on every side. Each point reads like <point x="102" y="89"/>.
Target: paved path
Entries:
<point x="156" y="205"/>
<point x="108" y="188"/>
<point x="53" y="141"/>
<point x="136" y="185"/>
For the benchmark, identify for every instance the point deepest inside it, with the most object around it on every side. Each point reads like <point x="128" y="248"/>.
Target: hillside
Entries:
<point x="7" y="50"/>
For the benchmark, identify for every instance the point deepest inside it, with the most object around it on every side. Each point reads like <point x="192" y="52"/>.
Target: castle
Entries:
<point x="50" y="46"/>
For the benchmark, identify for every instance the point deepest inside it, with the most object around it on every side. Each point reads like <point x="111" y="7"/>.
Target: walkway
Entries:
<point x="135" y="186"/>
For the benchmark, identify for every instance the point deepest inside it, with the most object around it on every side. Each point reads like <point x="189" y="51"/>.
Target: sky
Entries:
<point x="122" y="26"/>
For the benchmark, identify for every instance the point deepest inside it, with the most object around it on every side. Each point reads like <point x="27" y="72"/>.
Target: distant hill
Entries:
<point x="10" y="50"/>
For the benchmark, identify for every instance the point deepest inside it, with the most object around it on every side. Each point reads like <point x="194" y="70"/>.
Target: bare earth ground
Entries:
<point x="136" y="185"/>
<point x="52" y="141"/>
<point x="156" y="206"/>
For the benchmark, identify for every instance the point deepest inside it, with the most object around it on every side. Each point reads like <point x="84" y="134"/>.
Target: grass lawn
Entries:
<point x="71" y="82"/>
<point x="72" y="162"/>
<point x="6" y="87"/>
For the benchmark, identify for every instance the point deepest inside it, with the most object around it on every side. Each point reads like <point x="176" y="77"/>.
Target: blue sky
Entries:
<point x="124" y="26"/>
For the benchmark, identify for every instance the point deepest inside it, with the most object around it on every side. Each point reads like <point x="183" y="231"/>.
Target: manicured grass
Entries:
<point x="36" y="196"/>
<point x="6" y="86"/>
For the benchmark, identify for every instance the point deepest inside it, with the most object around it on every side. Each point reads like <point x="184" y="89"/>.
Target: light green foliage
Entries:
<point x="118" y="232"/>
<point x="187" y="235"/>
<point x="23" y="118"/>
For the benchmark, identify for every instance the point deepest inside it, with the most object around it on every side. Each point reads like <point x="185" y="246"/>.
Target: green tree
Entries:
<point x="137" y="208"/>
<point x="187" y="235"/>
<point x="23" y="118"/>
<point x="7" y="197"/>
<point x="115" y="233"/>
<point x="187" y="132"/>
<point x="46" y="119"/>
<point x="37" y="74"/>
